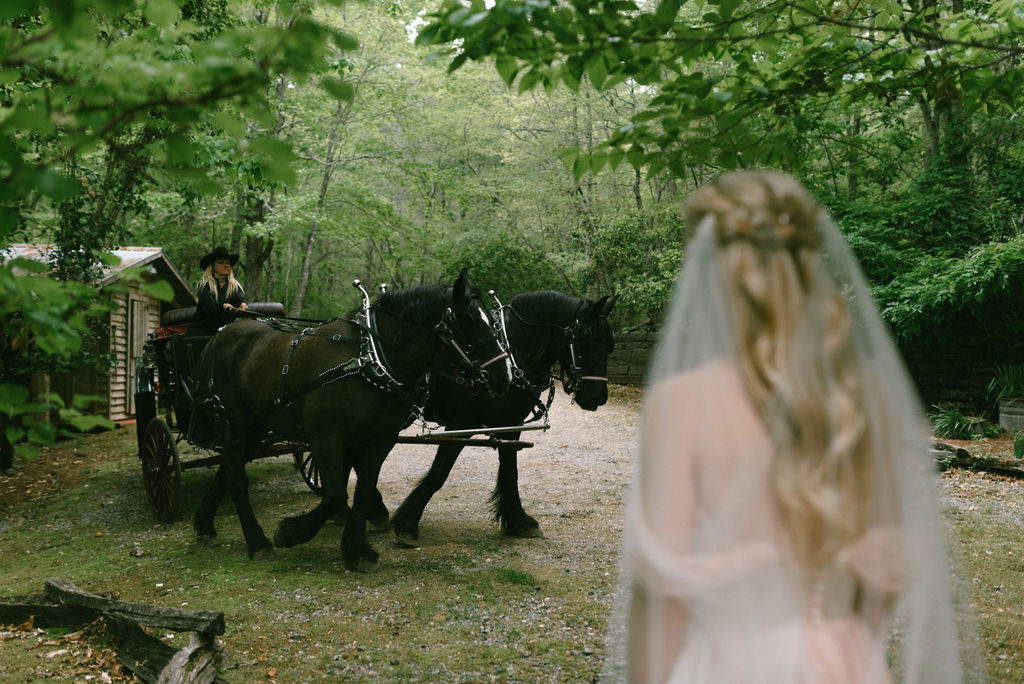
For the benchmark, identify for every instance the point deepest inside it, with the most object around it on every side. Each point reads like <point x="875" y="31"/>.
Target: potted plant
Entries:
<point x="1007" y="387"/>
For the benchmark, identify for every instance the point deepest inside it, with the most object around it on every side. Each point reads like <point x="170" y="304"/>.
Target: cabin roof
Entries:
<point x="161" y="267"/>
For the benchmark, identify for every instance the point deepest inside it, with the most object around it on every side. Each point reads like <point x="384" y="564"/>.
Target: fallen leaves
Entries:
<point x="72" y="652"/>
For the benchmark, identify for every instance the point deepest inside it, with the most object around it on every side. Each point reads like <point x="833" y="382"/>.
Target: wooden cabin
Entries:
<point x="137" y="314"/>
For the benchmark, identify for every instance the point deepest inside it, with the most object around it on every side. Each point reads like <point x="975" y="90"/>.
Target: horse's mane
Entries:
<point x="548" y="307"/>
<point x="422" y="304"/>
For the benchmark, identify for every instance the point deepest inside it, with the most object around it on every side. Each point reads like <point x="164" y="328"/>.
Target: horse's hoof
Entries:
<point x="407" y="539"/>
<point x="282" y="539"/>
<point x="206" y="540"/>
<point x="380" y="524"/>
<point x="526" y="533"/>
<point x="366" y="565"/>
<point x="263" y="555"/>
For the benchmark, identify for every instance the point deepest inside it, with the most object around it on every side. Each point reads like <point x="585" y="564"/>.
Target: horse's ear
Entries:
<point x="602" y="307"/>
<point x="463" y="288"/>
<point x="609" y="302"/>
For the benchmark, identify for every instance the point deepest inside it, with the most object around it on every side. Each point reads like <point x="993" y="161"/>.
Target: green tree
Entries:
<point x="100" y="101"/>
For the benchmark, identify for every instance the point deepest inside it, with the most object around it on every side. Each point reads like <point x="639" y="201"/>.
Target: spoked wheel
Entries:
<point x="161" y="469"/>
<point x="310" y="473"/>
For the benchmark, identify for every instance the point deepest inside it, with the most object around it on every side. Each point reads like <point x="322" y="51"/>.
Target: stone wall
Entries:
<point x="627" y="365"/>
<point x="950" y="372"/>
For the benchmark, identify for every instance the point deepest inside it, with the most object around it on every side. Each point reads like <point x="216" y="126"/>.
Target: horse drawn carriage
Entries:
<point x="337" y="395"/>
<point x="163" y="409"/>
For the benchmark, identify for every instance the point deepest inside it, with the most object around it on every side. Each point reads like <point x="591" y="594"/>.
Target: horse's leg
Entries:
<point x="341" y="517"/>
<point x="378" y="516"/>
<point x="329" y="454"/>
<point x="355" y="549"/>
<point x="202" y="521"/>
<point x="303" y="527"/>
<point x="406" y="520"/>
<point x="505" y="502"/>
<point x="233" y="463"/>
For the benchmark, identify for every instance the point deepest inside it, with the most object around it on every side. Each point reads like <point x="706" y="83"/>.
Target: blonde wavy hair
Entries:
<point x="208" y="278"/>
<point x="808" y="389"/>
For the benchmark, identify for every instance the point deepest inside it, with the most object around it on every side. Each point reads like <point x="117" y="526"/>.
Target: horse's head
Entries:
<point x="584" y="360"/>
<point x="485" y="362"/>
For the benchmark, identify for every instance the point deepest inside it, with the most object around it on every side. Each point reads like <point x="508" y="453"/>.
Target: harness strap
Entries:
<point x="331" y="375"/>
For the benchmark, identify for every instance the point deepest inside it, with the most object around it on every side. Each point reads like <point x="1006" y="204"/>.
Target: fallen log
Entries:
<point x="947" y="455"/>
<point x="209" y="622"/>
<point x="65" y="605"/>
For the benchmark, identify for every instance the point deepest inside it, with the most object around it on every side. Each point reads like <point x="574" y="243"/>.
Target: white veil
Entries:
<point x="709" y="589"/>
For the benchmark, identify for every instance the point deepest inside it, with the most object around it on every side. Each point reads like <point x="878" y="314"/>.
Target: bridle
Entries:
<point x="575" y="371"/>
<point x="470" y="373"/>
<point x="575" y="378"/>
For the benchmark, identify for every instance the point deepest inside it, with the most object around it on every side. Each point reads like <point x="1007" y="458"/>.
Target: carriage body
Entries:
<point x="163" y="406"/>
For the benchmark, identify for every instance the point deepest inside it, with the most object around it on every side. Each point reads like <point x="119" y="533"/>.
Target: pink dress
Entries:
<point x="718" y="601"/>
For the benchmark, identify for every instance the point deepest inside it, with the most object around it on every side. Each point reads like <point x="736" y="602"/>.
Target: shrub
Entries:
<point x="949" y="422"/>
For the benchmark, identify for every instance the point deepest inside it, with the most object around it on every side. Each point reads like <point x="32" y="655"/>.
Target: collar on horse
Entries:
<point x="372" y="364"/>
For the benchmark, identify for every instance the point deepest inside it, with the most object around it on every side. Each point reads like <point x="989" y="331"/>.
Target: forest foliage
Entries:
<point x="541" y="143"/>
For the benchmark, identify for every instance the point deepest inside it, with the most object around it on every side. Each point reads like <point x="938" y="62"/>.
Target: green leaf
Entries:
<point x="277" y="159"/>
<point x="597" y="70"/>
<point x="581" y="165"/>
<point x="160" y="289"/>
<point x="615" y="157"/>
<point x="341" y="90"/>
<point x="52" y="398"/>
<point x="84" y="423"/>
<point x="14" y="433"/>
<point x="345" y="41"/>
<point x="84" y="401"/>
<point x="529" y="81"/>
<point x="42" y="433"/>
<point x="162" y="12"/>
<point x="727" y="7"/>
<point x="458" y="61"/>
<point x="10" y="396"/>
<point x="26" y="451"/>
<point x="636" y="156"/>
<point x="230" y="124"/>
<point x="54" y="185"/>
<point x="507" y="68"/>
<point x="569" y="156"/>
<point x="667" y="11"/>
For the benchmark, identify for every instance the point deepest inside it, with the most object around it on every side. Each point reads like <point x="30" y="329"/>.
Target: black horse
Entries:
<point x="541" y="328"/>
<point x="345" y="388"/>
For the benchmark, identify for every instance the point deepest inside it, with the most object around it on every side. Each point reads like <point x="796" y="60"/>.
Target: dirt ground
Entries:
<point x="553" y="469"/>
<point x="58" y="467"/>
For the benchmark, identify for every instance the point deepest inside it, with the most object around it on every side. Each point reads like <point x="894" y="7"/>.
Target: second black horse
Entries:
<point x="542" y="327"/>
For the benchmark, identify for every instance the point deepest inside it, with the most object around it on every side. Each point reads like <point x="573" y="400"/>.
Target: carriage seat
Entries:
<point x="182" y="317"/>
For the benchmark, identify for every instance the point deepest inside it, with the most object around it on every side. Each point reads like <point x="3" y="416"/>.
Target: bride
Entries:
<point x="783" y="524"/>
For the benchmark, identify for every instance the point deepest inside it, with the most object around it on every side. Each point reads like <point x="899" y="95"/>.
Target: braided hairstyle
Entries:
<point x="803" y="380"/>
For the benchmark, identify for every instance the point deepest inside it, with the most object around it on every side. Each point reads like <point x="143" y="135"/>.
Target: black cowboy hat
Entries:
<point x="217" y="253"/>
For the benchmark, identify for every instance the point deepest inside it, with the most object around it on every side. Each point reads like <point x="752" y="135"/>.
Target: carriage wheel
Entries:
<point x="310" y="473"/>
<point x="161" y="469"/>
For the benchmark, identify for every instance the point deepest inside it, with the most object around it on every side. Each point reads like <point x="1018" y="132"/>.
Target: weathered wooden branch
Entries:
<point x="209" y="622"/>
<point x="65" y="605"/>
<point x="948" y="455"/>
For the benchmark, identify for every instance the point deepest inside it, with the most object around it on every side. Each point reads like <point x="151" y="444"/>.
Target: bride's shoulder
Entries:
<point x="715" y="375"/>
